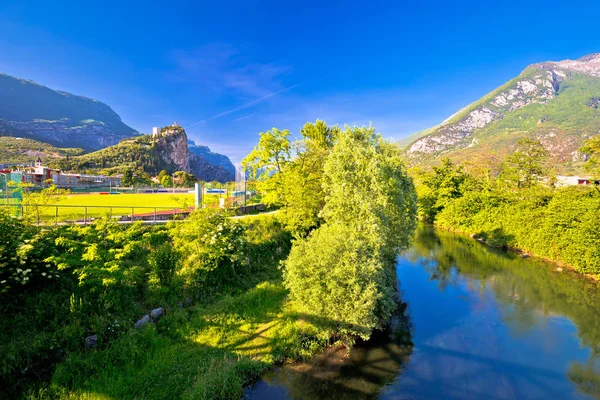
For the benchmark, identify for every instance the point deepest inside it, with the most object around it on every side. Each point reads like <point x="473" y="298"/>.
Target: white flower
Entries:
<point x="3" y="281"/>
<point x="19" y="270"/>
<point x="43" y="274"/>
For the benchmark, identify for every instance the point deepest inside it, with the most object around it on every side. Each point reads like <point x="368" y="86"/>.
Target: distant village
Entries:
<point x="40" y="175"/>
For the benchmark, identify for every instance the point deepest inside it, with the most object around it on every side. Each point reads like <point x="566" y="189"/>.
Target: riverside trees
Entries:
<point x="352" y="206"/>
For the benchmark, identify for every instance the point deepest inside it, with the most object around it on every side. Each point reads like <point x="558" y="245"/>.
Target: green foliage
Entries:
<point x="335" y="276"/>
<point x="560" y="225"/>
<point x="270" y="155"/>
<point x="19" y="150"/>
<point x="525" y="166"/>
<point x="440" y="188"/>
<point x="164" y="260"/>
<point x="343" y="273"/>
<point x="166" y="181"/>
<point x="591" y="148"/>
<point x="367" y="188"/>
<point x="212" y="247"/>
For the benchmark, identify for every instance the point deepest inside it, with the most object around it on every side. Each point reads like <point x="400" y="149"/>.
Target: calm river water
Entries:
<point x="474" y="323"/>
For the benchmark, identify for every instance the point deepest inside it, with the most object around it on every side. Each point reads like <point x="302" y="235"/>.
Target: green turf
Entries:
<point x="117" y="205"/>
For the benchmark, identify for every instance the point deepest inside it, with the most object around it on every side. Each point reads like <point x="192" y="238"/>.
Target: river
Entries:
<point x="472" y="323"/>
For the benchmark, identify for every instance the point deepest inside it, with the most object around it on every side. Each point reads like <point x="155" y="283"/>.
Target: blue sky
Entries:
<point x="229" y="70"/>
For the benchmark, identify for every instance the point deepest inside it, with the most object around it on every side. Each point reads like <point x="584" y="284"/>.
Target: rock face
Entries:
<point x="216" y="159"/>
<point x="173" y="148"/>
<point x="30" y="110"/>
<point x="554" y="102"/>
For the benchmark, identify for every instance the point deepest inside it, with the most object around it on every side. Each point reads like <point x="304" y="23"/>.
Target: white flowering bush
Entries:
<point x="212" y="248"/>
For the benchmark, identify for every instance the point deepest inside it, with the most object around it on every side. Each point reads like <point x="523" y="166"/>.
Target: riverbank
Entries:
<point x="220" y="316"/>
<point x="560" y="225"/>
<point x="207" y="351"/>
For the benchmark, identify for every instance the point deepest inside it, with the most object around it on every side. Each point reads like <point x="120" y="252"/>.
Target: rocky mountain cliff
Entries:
<point x="213" y="158"/>
<point x="168" y="150"/>
<point x="30" y="110"/>
<point x="554" y="102"/>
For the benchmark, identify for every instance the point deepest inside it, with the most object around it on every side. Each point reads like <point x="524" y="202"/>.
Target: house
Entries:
<point x="562" y="181"/>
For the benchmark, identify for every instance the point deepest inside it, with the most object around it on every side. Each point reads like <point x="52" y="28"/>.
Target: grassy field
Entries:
<point x="73" y="206"/>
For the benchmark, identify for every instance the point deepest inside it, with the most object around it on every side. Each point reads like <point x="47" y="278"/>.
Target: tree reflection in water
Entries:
<point x="487" y="324"/>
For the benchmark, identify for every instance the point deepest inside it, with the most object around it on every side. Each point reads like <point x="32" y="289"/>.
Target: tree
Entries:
<point x="591" y="149"/>
<point x="270" y="155"/>
<point x="524" y="167"/>
<point x="300" y="184"/>
<point x="166" y="181"/>
<point x="439" y="188"/>
<point x="343" y="274"/>
<point x="184" y="179"/>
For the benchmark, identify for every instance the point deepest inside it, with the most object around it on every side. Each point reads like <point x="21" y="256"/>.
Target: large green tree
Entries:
<point x="526" y="165"/>
<point x="291" y="172"/>
<point x="343" y="274"/>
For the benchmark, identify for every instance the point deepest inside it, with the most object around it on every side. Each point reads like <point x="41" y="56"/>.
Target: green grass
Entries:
<point x="202" y="352"/>
<point x="72" y="206"/>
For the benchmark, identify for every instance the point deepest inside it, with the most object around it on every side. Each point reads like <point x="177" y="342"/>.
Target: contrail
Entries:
<point x="244" y="106"/>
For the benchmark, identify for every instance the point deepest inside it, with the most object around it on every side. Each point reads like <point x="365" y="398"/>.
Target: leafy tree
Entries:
<point x="184" y="179"/>
<point x="343" y="274"/>
<point x="337" y="281"/>
<point x="439" y="188"/>
<point x="270" y="155"/>
<point x="592" y="149"/>
<point x="166" y="181"/>
<point x="300" y="184"/>
<point x="524" y="167"/>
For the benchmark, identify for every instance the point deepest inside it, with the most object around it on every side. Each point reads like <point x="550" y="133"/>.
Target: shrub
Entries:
<point x="338" y="281"/>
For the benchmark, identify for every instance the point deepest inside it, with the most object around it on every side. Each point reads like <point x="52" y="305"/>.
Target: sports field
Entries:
<point x="93" y="205"/>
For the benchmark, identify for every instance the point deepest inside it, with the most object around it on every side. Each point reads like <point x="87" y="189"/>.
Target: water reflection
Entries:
<point x="484" y="324"/>
<point x="337" y="374"/>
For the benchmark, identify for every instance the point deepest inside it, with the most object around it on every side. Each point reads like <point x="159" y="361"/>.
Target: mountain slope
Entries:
<point x="28" y="109"/>
<point x="555" y="102"/>
<point x="213" y="158"/>
<point x="26" y="151"/>
<point x="168" y="151"/>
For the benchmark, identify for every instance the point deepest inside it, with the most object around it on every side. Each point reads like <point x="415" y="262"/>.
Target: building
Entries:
<point x="40" y="176"/>
<point x="155" y="131"/>
<point x="562" y="181"/>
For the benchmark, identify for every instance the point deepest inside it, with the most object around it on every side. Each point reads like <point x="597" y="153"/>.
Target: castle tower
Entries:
<point x="155" y="131"/>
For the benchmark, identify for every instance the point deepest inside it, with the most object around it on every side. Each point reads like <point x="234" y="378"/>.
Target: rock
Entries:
<point x="144" y="321"/>
<point x="157" y="313"/>
<point x="559" y="269"/>
<point x="180" y="304"/>
<point x="524" y="255"/>
<point x="188" y="301"/>
<point x="91" y="341"/>
<point x="472" y="236"/>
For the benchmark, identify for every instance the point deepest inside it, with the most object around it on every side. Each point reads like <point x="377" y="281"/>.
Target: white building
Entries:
<point x="562" y="181"/>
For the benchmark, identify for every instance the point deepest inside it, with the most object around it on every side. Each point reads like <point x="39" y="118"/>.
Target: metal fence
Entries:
<point x="57" y="214"/>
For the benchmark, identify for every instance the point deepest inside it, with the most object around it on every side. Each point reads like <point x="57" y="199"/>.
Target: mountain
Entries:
<point x="554" y="102"/>
<point x="213" y="158"/>
<point x="28" y="109"/>
<point x="16" y="151"/>
<point x="151" y="153"/>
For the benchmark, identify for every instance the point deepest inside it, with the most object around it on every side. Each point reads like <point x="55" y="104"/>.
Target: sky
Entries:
<point x="227" y="70"/>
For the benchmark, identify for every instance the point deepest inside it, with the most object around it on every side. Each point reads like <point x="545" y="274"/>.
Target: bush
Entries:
<point x="561" y="225"/>
<point x="339" y="282"/>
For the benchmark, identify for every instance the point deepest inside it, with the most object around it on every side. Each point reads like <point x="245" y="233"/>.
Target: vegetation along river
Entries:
<point x="472" y="323"/>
